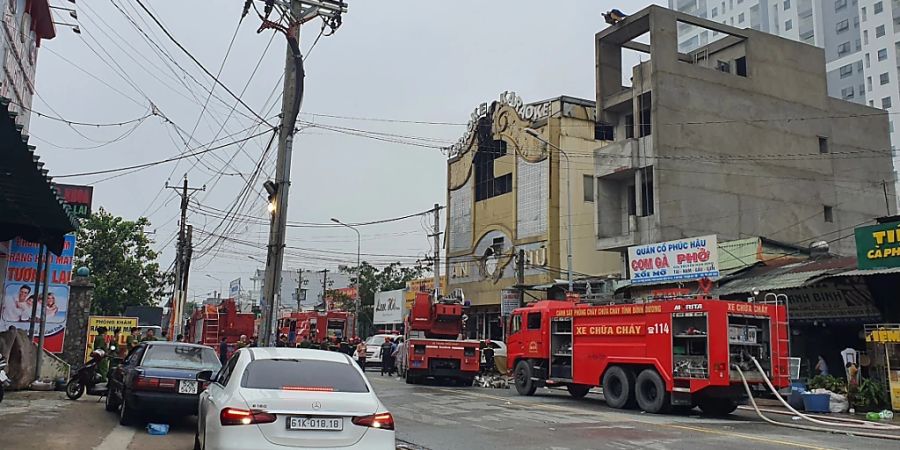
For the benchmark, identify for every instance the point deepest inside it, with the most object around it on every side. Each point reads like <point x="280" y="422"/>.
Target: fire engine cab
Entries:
<point x="675" y="353"/>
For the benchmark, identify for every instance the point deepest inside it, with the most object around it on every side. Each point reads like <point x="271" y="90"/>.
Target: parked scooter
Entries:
<point x="4" y="380"/>
<point x="88" y="377"/>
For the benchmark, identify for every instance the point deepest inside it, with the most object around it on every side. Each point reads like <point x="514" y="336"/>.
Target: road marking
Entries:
<point x="632" y="419"/>
<point x="120" y="437"/>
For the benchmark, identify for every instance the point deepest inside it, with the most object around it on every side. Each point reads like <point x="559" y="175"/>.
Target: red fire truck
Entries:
<point x="434" y="344"/>
<point x="317" y="325"/>
<point x="210" y="323"/>
<point x="657" y="355"/>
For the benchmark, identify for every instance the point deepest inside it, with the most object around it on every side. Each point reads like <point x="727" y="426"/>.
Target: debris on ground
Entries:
<point x="158" y="429"/>
<point x="494" y="381"/>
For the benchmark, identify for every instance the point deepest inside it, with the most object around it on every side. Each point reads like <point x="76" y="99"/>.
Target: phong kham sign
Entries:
<point x="684" y="259"/>
<point x="878" y="246"/>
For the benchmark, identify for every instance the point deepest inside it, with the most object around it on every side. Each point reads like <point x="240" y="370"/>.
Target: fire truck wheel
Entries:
<point x="578" y="390"/>
<point x="650" y="392"/>
<point x="717" y="406"/>
<point x="524" y="384"/>
<point x="617" y="387"/>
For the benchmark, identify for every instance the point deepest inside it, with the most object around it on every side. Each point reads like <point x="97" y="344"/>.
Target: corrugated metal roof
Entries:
<point x="862" y="273"/>
<point x="793" y="275"/>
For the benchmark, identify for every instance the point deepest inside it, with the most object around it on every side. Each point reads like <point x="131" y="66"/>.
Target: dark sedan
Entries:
<point x="159" y="377"/>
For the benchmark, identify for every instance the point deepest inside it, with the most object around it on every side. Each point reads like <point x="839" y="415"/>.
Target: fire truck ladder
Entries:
<point x="211" y="332"/>
<point x="782" y="341"/>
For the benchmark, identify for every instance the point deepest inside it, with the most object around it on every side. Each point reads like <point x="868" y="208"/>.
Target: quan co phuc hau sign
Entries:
<point x="684" y="259"/>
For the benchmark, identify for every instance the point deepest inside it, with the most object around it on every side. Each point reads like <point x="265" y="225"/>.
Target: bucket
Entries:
<point x="796" y="397"/>
<point x="817" y="403"/>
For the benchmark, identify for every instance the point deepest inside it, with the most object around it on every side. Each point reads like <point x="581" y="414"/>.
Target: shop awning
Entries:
<point x="772" y="277"/>
<point x="29" y="204"/>
<point x="869" y="272"/>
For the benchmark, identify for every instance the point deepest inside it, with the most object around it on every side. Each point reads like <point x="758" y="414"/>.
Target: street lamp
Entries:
<point x="537" y="135"/>
<point x="358" y="267"/>
<point x="220" y="284"/>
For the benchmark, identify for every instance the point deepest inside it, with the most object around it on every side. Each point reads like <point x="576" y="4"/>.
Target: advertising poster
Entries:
<point x="19" y="295"/>
<point x="388" y="307"/>
<point x="684" y="259"/>
<point x="117" y="328"/>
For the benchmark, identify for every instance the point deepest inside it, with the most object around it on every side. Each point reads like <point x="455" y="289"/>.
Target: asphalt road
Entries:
<point x="435" y="417"/>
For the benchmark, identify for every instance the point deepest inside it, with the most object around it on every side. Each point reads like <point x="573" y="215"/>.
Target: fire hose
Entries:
<point x="854" y="424"/>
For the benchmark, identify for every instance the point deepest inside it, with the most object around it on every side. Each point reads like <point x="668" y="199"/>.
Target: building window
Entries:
<point x="858" y="45"/>
<point x="882" y="54"/>
<point x="604" y="132"/>
<point x="843" y="25"/>
<point x="829" y="214"/>
<point x="868" y="61"/>
<point x="486" y="184"/>
<point x="843" y="49"/>
<point x="886" y="103"/>
<point x="878" y="8"/>
<point x="846" y="70"/>
<point x="872" y="103"/>
<point x="840" y="4"/>
<point x="647" y="191"/>
<point x="863" y="11"/>
<point x="879" y="31"/>
<point x="723" y="66"/>
<point x="588" y="183"/>
<point x="862" y="91"/>
<point x="632" y="200"/>
<point x="869" y="83"/>
<point x="740" y="66"/>
<point x="866" y="37"/>
<point x="787" y="5"/>
<point x="644" y="126"/>
<point x="823" y="144"/>
<point x="715" y="11"/>
<point x="847" y="93"/>
<point x="859" y="66"/>
<point x="788" y="25"/>
<point x="629" y="126"/>
<point x="741" y="18"/>
<point x="884" y="78"/>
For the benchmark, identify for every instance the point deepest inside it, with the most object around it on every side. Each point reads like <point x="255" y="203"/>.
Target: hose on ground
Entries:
<point x="807" y="427"/>
<point x="852" y="423"/>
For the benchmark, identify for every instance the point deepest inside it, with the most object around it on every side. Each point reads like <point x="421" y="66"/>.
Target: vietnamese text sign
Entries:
<point x="878" y="246"/>
<point x="18" y="295"/>
<point x="509" y="300"/>
<point x="388" y="307"/>
<point x="234" y="288"/>
<point x="684" y="259"/>
<point x="117" y="328"/>
<point x="833" y="302"/>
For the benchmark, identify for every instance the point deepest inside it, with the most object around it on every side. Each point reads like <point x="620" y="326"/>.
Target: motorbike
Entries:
<point x="88" y="377"/>
<point x="4" y="380"/>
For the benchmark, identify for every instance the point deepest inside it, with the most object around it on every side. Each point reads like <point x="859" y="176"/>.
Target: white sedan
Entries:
<point x="280" y="398"/>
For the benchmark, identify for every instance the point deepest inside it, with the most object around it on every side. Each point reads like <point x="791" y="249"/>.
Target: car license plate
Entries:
<point x="316" y="423"/>
<point x="187" y="387"/>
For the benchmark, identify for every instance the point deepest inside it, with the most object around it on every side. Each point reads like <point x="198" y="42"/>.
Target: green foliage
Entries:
<point x="372" y="280"/>
<point x="836" y="385"/>
<point x="123" y="266"/>
<point x="868" y="396"/>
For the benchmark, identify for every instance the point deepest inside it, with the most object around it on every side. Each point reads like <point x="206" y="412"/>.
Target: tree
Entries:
<point x="372" y="280"/>
<point x="123" y="266"/>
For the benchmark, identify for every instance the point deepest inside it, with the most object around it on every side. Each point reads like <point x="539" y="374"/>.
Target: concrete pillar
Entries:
<point x="81" y="294"/>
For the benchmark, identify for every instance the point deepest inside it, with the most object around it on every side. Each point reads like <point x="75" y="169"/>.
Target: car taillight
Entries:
<point x="142" y="383"/>
<point x="384" y="421"/>
<point x="237" y="416"/>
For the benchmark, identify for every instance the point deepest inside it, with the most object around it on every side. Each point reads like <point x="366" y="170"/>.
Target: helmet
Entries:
<point x="97" y="354"/>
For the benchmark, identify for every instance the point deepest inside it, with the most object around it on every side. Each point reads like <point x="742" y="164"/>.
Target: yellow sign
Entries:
<point x="420" y="285"/>
<point x="895" y="389"/>
<point x="884" y="336"/>
<point x="120" y="327"/>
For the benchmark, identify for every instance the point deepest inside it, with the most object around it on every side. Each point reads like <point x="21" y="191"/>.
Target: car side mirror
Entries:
<point x="206" y="375"/>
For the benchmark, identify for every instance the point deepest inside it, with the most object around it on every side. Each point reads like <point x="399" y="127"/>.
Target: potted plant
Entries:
<point x="867" y="396"/>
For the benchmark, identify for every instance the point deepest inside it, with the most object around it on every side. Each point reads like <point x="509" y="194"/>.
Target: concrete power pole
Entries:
<point x="179" y="295"/>
<point x="300" y="12"/>
<point x="299" y="288"/>
<point x="437" y="250"/>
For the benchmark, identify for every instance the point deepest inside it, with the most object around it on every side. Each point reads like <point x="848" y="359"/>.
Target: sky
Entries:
<point x="390" y="64"/>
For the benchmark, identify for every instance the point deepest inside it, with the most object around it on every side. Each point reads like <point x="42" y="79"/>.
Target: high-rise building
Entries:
<point x="857" y="35"/>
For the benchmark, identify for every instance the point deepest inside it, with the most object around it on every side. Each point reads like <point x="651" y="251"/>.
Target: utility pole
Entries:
<point x="188" y="253"/>
<point x="299" y="288"/>
<point x="324" y="287"/>
<point x="520" y="275"/>
<point x="437" y="250"/>
<point x="179" y="294"/>
<point x="40" y="347"/>
<point x="301" y="11"/>
<point x="43" y="254"/>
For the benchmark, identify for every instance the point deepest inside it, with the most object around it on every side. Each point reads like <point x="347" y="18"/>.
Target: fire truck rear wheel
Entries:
<point x="650" y="392"/>
<point x="578" y="390"/>
<point x="618" y="386"/>
<point x="524" y="384"/>
<point x="717" y="406"/>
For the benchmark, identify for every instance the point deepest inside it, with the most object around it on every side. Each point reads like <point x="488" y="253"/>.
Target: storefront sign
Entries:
<point x="510" y="299"/>
<point x="684" y="259"/>
<point x="117" y="328"/>
<point x="389" y="307"/>
<point x="234" y="288"/>
<point x="19" y="295"/>
<point x="878" y="246"/>
<point x="79" y="198"/>
<point x="529" y="112"/>
<point x="829" y="301"/>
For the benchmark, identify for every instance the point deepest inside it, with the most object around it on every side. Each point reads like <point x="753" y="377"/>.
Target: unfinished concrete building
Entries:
<point x="737" y="138"/>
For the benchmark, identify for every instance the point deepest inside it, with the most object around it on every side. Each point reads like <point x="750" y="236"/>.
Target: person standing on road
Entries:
<point x="394" y="347"/>
<point x="361" y="355"/>
<point x="223" y="351"/>
<point x="488" y="352"/>
<point x="386" y="348"/>
<point x="100" y="344"/>
<point x="397" y="356"/>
